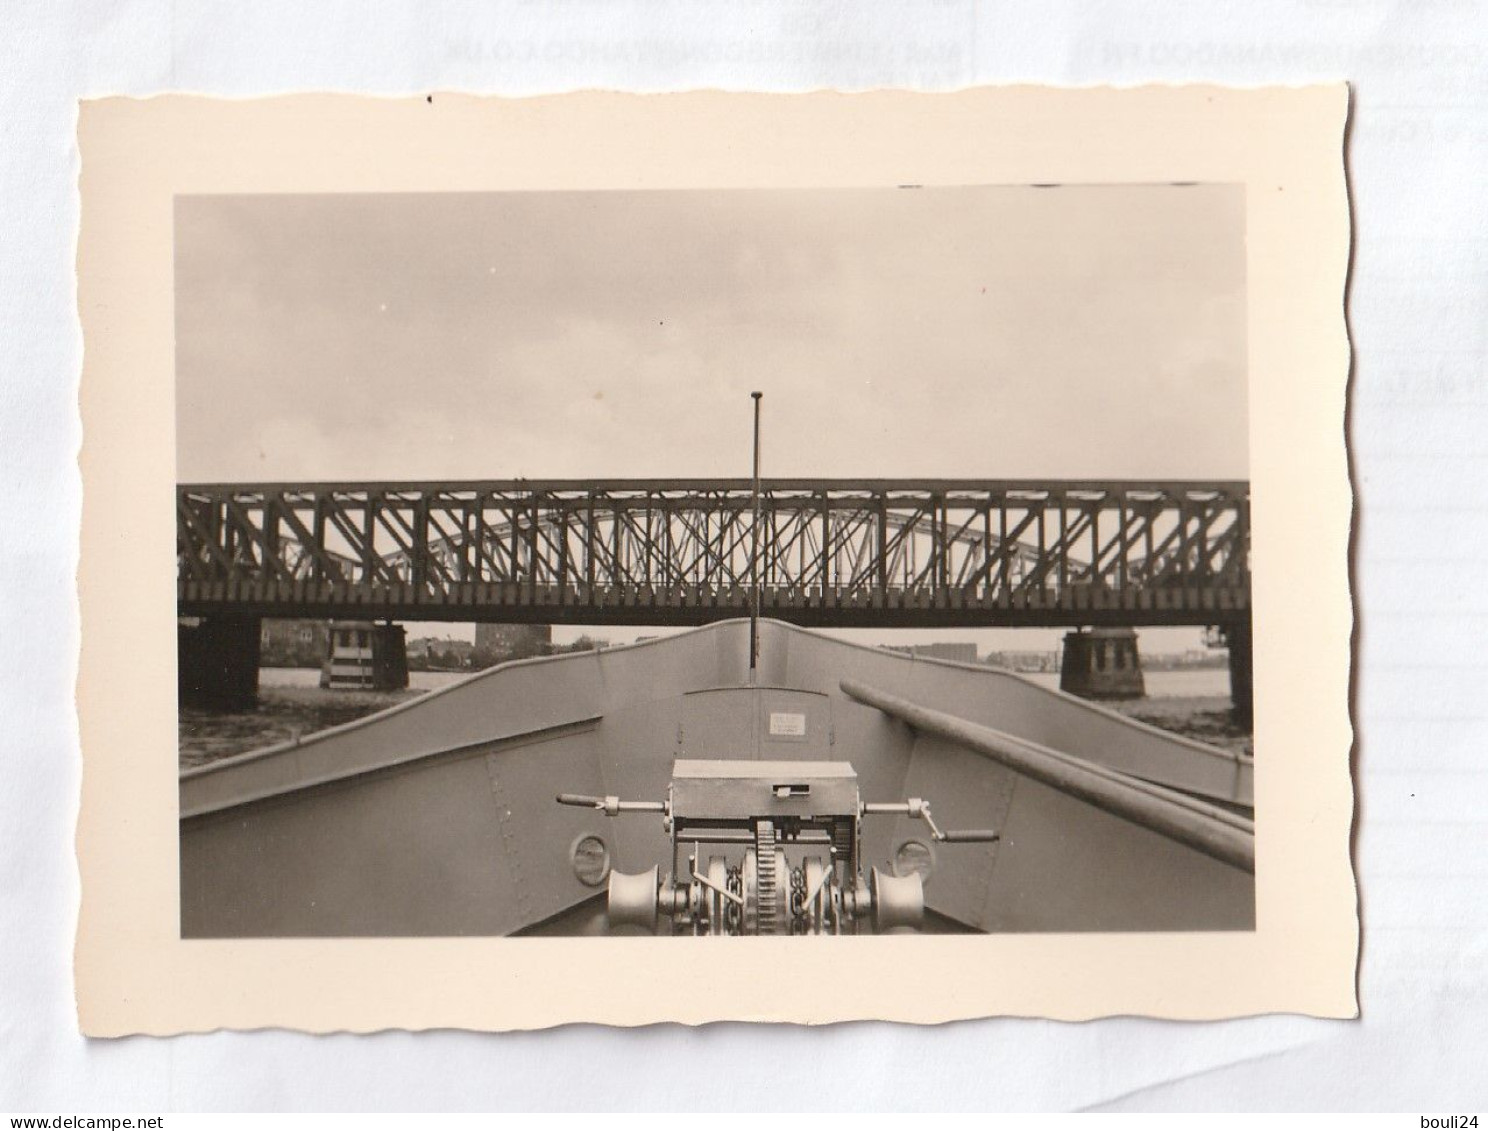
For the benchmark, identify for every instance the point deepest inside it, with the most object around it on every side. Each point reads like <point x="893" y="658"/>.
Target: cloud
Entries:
<point x="973" y="331"/>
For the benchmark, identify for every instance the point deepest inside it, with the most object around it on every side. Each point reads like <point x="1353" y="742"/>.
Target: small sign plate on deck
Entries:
<point x="787" y="724"/>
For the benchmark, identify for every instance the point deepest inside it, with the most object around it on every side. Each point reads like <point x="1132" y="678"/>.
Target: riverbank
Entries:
<point x="283" y="714"/>
<point x="1205" y="718"/>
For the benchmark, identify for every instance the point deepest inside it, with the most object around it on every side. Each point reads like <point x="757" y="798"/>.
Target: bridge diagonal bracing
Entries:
<point x="846" y="553"/>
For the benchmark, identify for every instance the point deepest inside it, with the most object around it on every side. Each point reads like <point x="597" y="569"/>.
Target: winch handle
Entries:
<point x="610" y="806"/>
<point x="969" y="836"/>
<point x="919" y="808"/>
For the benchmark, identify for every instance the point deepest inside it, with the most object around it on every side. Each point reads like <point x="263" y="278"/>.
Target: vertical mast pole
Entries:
<point x="754" y="579"/>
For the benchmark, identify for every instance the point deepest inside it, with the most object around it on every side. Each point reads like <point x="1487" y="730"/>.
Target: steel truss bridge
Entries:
<point x="840" y="553"/>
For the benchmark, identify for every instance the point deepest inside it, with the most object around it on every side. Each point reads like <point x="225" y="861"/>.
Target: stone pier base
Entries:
<point x="390" y="647"/>
<point x="1102" y="663"/>
<point x="217" y="663"/>
<point x="1242" y="699"/>
<point x="366" y="656"/>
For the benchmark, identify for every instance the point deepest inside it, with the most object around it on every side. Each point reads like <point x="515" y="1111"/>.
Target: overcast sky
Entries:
<point x="1004" y="331"/>
<point x="1093" y="331"/>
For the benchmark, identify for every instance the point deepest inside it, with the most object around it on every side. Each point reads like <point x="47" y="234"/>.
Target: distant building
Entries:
<point x="1191" y="658"/>
<point x="1024" y="660"/>
<point x="440" y="653"/>
<point x="499" y="643"/>
<point x="957" y="652"/>
<point x="293" y="643"/>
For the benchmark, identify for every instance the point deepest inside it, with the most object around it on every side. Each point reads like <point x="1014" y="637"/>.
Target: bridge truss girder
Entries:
<point x="831" y="552"/>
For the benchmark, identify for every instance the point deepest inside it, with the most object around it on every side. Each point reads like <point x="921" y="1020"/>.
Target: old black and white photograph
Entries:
<point x="640" y="556"/>
<point x="714" y="561"/>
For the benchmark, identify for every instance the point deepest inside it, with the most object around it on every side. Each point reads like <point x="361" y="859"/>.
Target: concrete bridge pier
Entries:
<point x="366" y="655"/>
<point x="217" y="662"/>
<point x="1102" y="663"/>
<point x="1242" y="700"/>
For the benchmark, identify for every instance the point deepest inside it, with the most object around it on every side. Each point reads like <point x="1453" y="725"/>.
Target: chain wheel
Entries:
<point x="798" y="923"/>
<point x="766" y="880"/>
<point x="733" y="914"/>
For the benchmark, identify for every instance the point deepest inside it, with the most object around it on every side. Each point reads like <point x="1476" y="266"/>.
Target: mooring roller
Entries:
<point x="633" y="899"/>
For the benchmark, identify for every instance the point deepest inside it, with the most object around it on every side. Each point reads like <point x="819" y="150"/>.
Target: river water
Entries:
<point x="1189" y="683"/>
<point x="310" y="677"/>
